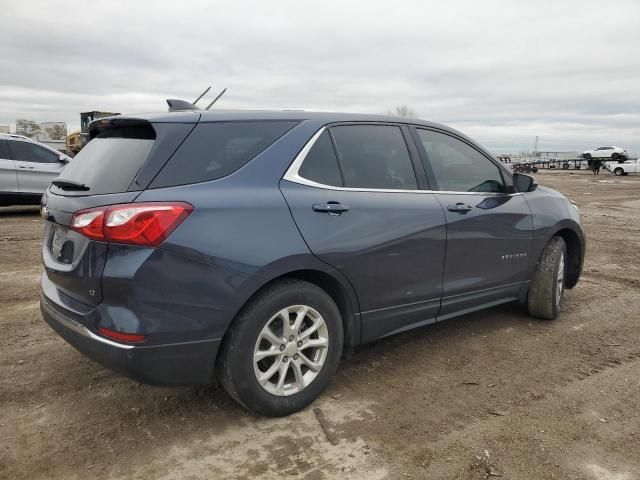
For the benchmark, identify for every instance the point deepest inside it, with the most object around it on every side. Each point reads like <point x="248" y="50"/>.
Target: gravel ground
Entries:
<point x="492" y="393"/>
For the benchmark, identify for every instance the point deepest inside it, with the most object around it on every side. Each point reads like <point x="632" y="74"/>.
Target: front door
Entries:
<point x="489" y="229"/>
<point x="36" y="166"/>
<point x="359" y="209"/>
<point x="8" y="175"/>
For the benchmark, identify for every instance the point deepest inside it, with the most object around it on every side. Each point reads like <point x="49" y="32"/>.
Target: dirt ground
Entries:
<point x="495" y="393"/>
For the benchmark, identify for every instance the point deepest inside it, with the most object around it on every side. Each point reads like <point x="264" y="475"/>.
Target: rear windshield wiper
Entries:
<point x="69" y="184"/>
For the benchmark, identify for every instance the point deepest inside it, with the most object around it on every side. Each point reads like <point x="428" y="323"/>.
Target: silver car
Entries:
<point x="26" y="169"/>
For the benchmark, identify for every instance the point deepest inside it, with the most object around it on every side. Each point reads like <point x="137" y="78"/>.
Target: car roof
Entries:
<point x="321" y="118"/>
<point x="218" y="115"/>
<point x="14" y="136"/>
<point x="237" y="115"/>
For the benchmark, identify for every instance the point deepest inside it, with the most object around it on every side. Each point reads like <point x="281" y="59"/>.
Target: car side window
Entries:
<point x="4" y="150"/>
<point x="374" y="156"/>
<point x="459" y="167"/>
<point x="29" y="152"/>
<point x="321" y="163"/>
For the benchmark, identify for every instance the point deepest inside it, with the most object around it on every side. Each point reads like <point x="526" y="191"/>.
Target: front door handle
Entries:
<point x="459" y="208"/>
<point x="332" y="208"/>
<point x="23" y="166"/>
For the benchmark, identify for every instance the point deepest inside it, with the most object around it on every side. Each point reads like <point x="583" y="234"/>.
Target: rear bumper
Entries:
<point x="186" y="363"/>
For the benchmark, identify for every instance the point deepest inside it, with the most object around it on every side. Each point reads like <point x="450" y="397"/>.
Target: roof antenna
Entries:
<point x="201" y="95"/>
<point x="215" y="99"/>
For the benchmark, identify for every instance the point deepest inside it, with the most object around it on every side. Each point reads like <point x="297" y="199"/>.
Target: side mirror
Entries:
<point x="524" y="183"/>
<point x="63" y="159"/>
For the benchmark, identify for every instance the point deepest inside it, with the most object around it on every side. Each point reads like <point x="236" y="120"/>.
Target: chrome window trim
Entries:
<point x="292" y="175"/>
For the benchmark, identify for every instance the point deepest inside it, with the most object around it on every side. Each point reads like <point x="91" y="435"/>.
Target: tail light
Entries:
<point x="147" y="224"/>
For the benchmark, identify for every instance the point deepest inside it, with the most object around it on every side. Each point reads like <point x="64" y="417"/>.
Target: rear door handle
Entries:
<point x="332" y="208"/>
<point x="459" y="207"/>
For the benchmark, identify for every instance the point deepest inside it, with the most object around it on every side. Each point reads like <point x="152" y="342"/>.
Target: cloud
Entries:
<point x="501" y="71"/>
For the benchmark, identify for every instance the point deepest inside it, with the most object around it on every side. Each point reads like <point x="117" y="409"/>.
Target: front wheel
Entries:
<point x="618" y="171"/>
<point x="546" y="291"/>
<point x="283" y="349"/>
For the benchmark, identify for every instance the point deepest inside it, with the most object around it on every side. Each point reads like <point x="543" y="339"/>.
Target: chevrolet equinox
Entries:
<point x="257" y="247"/>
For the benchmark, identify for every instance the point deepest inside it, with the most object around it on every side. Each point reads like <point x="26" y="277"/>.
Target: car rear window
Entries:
<point x="110" y="161"/>
<point x="215" y="150"/>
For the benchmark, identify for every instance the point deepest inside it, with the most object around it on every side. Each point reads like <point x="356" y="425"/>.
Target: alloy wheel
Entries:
<point x="560" y="280"/>
<point x="290" y="350"/>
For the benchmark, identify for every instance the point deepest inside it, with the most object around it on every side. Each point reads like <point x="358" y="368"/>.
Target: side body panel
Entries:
<point x="389" y="245"/>
<point x="553" y="213"/>
<point x="35" y="177"/>
<point x="488" y="250"/>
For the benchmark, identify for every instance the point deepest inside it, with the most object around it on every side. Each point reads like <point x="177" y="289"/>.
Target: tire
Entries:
<point x="587" y="156"/>
<point x="527" y="169"/>
<point x="565" y="166"/>
<point x="546" y="292"/>
<point x="618" y="171"/>
<point x="238" y="369"/>
<point x="615" y="156"/>
<point x="534" y="169"/>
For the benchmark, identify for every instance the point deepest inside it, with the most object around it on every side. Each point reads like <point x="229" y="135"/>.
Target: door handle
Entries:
<point x="459" y="208"/>
<point x="22" y="166"/>
<point x="332" y="208"/>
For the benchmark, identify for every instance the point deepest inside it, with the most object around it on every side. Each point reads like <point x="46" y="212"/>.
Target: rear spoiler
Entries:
<point x="121" y="127"/>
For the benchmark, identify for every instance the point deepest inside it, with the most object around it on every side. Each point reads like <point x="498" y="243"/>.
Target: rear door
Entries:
<point x="8" y="175"/>
<point x="354" y="194"/>
<point x="489" y="228"/>
<point x="36" y="166"/>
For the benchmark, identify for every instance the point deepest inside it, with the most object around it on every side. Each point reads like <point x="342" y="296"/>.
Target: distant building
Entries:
<point x="53" y="134"/>
<point x="4" y="129"/>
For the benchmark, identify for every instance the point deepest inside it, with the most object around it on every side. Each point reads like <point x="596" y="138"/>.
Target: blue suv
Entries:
<point x="258" y="247"/>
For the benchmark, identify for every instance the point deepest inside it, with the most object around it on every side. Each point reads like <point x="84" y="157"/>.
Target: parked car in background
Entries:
<point x="630" y="166"/>
<point x="26" y="169"/>
<point x="611" y="152"/>
<point x="256" y="247"/>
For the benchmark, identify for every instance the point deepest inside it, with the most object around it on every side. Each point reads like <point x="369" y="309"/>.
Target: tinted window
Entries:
<point x="107" y="164"/>
<point x="321" y="164"/>
<point x="214" y="150"/>
<point x="374" y="156"/>
<point x="4" y="150"/>
<point x="30" y="152"/>
<point x="459" y="167"/>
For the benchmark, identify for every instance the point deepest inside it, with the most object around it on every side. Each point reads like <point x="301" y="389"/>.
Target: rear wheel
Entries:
<point x="546" y="292"/>
<point x="618" y="171"/>
<point x="615" y="156"/>
<point x="283" y="349"/>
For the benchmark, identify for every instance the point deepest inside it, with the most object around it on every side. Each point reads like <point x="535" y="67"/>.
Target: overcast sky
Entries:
<point x="500" y="71"/>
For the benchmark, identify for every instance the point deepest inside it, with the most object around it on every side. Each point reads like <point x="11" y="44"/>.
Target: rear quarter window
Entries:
<point x="215" y="150"/>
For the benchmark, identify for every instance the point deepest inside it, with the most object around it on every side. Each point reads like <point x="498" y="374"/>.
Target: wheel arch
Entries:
<point x="332" y="282"/>
<point x="575" y="254"/>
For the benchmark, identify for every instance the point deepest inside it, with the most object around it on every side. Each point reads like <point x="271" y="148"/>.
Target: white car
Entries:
<point x="614" y="153"/>
<point x="630" y="166"/>
<point x="26" y="169"/>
